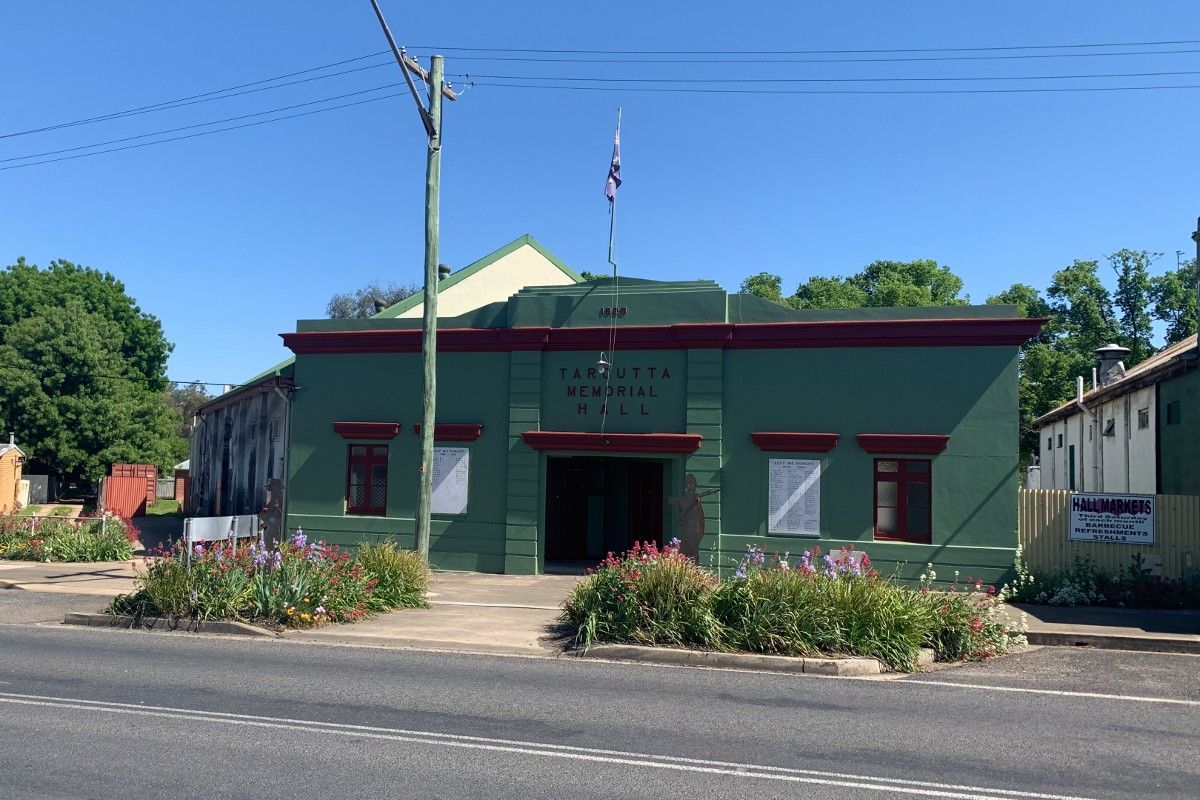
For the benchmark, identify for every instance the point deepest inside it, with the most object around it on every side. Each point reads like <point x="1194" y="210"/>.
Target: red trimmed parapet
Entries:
<point x="613" y="442"/>
<point x="366" y="430"/>
<point x="453" y="431"/>
<point x="786" y="441"/>
<point x="973" y="331"/>
<point x="913" y="444"/>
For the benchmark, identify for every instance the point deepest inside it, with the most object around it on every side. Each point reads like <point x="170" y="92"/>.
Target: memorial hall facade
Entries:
<point x="576" y="419"/>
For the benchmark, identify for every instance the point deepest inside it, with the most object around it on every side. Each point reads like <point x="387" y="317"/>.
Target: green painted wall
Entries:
<point x="645" y="392"/>
<point x="969" y="394"/>
<point x="472" y="387"/>
<point x="1179" y="445"/>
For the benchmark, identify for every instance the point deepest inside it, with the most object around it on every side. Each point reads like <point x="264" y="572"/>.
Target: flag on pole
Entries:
<point x="614" y="169"/>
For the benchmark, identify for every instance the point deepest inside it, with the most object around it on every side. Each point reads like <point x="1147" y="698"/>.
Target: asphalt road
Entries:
<point x="87" y="713"/>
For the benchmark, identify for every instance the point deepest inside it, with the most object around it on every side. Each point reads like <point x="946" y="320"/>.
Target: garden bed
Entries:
<point x="57" y="538"/>
<point x="1086" y="584"/>
<point x="814" y="605"/>
<point x="289" y="584"/>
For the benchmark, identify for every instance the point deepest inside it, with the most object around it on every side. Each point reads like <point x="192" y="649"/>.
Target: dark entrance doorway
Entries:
<point x="594" y="505"/>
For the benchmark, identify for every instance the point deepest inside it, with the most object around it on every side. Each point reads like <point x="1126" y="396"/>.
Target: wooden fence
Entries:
<point x="1044" y="516"/>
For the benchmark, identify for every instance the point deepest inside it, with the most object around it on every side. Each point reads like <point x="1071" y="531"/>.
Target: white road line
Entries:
<point x="1132" y="698"/>
<point x="679" y="764"/>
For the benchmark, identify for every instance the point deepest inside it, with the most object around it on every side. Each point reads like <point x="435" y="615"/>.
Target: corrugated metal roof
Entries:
<point x="1116" y="389"/>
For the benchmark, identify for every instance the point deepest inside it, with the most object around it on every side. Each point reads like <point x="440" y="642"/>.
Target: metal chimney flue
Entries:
<point x="1111" y="363"/>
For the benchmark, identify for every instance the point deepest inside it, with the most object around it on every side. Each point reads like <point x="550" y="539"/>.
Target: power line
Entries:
<point x="471" y="76"/>
<point x="202" y="133"/>
<point x="199" y="124"/>
<point x="817" y="52"/>
<point x="579" y="79"/>
<point x="722" y="60"/>
<point x="235" y="91"/>
<point x="697" y="90"/>
<point x="199" y="98"/>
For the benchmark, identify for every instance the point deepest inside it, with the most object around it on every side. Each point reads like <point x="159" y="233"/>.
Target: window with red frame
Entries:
<point x="902" y="499"/>
<point x="366" y="479"/>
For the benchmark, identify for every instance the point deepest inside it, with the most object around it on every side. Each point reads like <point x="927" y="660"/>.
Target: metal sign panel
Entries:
<point x="1126" y="518"/>
<point x="794" y="496"/>
<point x="451" y="472"/>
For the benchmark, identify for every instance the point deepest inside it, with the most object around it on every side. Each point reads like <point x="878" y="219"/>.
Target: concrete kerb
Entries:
<point x="94" y="620"/>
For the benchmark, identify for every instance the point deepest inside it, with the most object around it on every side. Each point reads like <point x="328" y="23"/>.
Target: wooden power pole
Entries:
<point x="431" y="118"/>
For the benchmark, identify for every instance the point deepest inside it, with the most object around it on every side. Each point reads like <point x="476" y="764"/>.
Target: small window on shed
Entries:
<point x="1110" y="427"/>
<point x="1143" y="418"/>
<point x="1060" y="440"/>
<point x="1173" y="412"/>
<point x="1049" y="442"/>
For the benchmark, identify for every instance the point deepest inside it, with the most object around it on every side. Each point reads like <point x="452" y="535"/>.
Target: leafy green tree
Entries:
<point x="1083" y="311"/>
<point x="26" y="290"/>
<point x="766" y="285"/>
<point x="1045" y="375"/>
<point x="1132" y="301"/>
<point x="836" y="292"/>
<point x="1174" y="296"/>
<point x="588" y="275"/>
<point x="183" y="399"/>
<point x="75" y="399"/>
<point x="369" y="300"/>
<point x="923" y="282"/>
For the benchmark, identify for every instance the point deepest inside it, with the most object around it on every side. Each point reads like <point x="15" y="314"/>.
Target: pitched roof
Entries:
<point x="1134" y="377"/>
<point x="284" y="367"/>
<point x="414" y="300"/>
<point x="4" y="448"/>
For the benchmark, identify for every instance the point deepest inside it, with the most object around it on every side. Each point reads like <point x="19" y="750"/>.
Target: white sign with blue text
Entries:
<point x="1126" y="518"/>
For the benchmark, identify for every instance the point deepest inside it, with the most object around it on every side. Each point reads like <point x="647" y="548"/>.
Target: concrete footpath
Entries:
<point x="106" y="578"/>
<point x="506" y="614"/>
<point x="1154" y="630"/>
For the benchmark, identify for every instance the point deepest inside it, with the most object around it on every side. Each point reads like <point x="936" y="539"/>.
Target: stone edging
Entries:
<point x="849" y="666"/>
<point x="93" y="620"/>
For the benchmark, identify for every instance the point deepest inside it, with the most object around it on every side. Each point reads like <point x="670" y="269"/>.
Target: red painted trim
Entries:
<point x="780" y="441"/>
<point x="613" y="442"/>
<point x="985" y="331"/>
<point x="453" y="431"/>
<point x="903" y="443"/>
<point x="366" y="430"/>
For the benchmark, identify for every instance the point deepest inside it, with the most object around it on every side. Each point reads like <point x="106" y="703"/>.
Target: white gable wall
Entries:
<point x="496" y="282"/>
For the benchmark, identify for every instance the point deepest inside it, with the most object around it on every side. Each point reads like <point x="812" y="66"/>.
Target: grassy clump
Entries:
<point x="833" y="604"/>
<point x="401" y="576"/>
<point x="163" y="507"/>
<point x="57" y="539"/>
<point x="648" y="596"/>
<point x="293" y="583"/>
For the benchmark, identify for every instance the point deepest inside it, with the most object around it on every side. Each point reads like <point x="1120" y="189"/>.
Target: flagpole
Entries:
<point x="612" y="211"/>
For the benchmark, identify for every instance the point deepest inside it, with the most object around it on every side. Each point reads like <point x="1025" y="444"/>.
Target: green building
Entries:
<point x="575" y="419"/>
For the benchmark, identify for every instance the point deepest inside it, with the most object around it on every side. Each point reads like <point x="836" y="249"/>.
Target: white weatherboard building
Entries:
<point x="1111" y="438"/>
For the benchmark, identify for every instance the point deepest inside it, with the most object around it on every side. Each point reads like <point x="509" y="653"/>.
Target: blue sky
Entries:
<point x="230" y="238"/>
